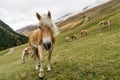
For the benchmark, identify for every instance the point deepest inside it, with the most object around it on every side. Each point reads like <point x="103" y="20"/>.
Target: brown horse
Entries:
<point x="26" y="52"/>
<point x="105" y="23"/>
<point x="43" y="39"/>
<point x="67" y="39"/>
<point x="83" y="32"/>
<point x="71" y="38"/>
<point x="74" y="37"/>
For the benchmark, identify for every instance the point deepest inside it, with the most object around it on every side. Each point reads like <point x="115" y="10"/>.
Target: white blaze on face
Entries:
<point x="50" y="23"/>
<point x="46" y="39"/>
<point x="47" y="43"/>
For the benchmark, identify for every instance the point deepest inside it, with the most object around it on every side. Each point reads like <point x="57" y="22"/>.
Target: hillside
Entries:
<point x="27" y="30"/>
<point x="90" y="14"/>
<point x="93" y="57"/>
<point x="9" y="38"/>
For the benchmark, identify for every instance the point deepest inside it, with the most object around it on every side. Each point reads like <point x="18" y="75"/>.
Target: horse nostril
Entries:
<point x="47" y="45"/>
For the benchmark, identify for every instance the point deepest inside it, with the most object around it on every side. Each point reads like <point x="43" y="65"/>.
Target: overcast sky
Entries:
<point x="19" y="13"/>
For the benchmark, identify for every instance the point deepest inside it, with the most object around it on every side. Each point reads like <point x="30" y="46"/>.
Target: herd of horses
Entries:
<point x="74" y="36"/>
<point x="43" y="38"/>
<point x="84" y="32"/>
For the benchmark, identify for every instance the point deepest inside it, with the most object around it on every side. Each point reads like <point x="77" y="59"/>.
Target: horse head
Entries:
<point x="47" y="20"/>
<point x="48" y="29"/>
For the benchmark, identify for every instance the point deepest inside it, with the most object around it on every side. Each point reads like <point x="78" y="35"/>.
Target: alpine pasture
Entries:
<point x="92" y="57"/>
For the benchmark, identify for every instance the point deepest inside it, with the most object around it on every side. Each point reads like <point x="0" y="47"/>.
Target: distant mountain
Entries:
<point x="62" y="20"/>
<point x="70" y="14"/>
<point x="27" y="30"/>
<point x="89" y="13"/>
<point x="64" y="16"/>
<point x="9" y="38"/>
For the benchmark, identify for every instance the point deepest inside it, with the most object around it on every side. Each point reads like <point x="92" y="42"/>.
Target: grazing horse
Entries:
<point x="67" y="39"/>
<point x="43" y="39"/>
<point x="73" y="37"/>
<point x="26" y="52"/>
<point x="105" y="23"/>
<point x="83" y="32"/>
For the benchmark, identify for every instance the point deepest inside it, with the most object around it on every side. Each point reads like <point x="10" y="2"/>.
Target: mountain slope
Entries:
<point x="27" y="30"/>
<point x="9" y="38"/>
<point x="93" y="57"/>
<point x="90" y="14"/>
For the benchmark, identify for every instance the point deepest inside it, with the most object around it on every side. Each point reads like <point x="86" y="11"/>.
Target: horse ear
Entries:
<point x="38" y="16"/>
<point x="49" y="14"/>
<point x="25" y="50"/>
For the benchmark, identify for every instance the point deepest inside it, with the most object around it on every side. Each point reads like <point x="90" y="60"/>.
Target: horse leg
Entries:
<point x="49" y="58"/>
<point x="34" y="57"/>
<point x="40" y="51"/>
<point x="81" y="34"/>
<point x="23" y="57"/>
<point x="26" y="56"/>
<point x="85" y="33"/>
<point x="37" y="55"/>
<point x="109" y="26"/>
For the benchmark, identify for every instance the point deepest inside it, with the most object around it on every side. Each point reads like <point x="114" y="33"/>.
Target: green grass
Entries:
<point x="93" y="57"/>
<point x="4" y="52"/>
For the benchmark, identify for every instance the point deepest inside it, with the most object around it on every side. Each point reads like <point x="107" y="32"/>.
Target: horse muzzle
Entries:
<point x="47" y="45"/>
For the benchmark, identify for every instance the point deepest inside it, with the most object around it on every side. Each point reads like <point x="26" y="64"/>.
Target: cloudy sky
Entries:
<point x="19" y="13"/>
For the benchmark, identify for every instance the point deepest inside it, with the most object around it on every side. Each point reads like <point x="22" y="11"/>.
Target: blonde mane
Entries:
<point x="50" y="23"/>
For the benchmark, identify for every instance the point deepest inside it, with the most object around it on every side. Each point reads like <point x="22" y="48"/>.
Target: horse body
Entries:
<point x="67" y="39"/>
<point x="83" y="32"/>
<point x="74" y="37"/>
<point x="26" y="52"/>
<point x="106" y="23"/>
<point x="43" y="39"/>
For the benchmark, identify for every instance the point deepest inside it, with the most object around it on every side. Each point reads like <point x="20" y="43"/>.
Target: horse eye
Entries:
<point x="39" y="27"/>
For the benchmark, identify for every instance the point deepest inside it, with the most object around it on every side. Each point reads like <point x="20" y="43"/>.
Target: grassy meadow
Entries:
<point x="93" y="57"/>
